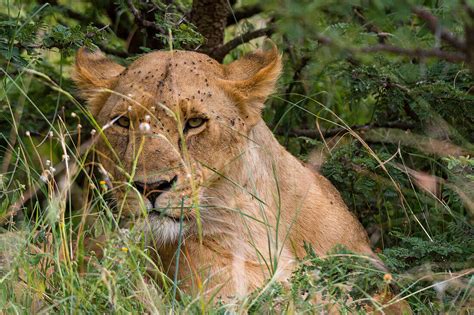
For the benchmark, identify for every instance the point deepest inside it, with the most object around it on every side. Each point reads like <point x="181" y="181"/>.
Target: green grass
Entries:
<point x="47" y="267"/>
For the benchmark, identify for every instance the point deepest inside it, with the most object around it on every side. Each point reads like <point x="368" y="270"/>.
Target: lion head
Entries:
<point x="172" y="124"/>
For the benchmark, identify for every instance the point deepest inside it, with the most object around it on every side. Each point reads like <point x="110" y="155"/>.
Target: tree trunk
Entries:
<point x="210" y="18"/>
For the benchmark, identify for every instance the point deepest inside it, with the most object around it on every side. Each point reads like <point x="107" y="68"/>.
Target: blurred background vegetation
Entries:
<point x="377" y="95"/>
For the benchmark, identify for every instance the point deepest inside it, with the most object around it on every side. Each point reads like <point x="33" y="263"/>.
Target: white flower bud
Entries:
<point x="79" y="126"/>
<point x="93" y="132"/>
<point x="145" y="127"/>
<point x="44" y="176"/>
<point x="147" y="118"/>
<point x="48" y="162"/>
<point x="28" y="134"/>
<point x="50" y="134"/>
<point x="73" y="115"/>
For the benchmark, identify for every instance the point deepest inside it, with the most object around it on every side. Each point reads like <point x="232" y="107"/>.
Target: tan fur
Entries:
<point x="256" y="202"/>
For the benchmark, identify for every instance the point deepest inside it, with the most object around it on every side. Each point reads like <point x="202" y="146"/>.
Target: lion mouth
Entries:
<point x="153" y="190"/>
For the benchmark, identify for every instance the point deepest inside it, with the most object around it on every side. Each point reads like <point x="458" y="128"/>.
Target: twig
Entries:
<point x="437" y="30"/>
<point x="86" y="19"/>
<point x="143" y="22"/>
<point x="369" y="26"/>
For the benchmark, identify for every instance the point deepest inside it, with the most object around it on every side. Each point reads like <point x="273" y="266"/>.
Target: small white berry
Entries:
<point x="73" y="115"/>
<point x="28" y="134"/>
<point x="50" y="134"/>
<point x="44" y="177"/>
<point x="147" y="118"/>
<point x="48" y="162"/>
<point x="93" y="132"/>
<point x="52" y="170"/>
<point x="79" y="126"/>
<point x="66" y="157"/>
<point x="145" y="127"/>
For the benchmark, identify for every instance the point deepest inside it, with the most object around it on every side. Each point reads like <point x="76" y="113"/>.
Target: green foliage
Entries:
<point x="445" y="250"/>
<point x="342" y="276"/>
<point x="183" y="35"/>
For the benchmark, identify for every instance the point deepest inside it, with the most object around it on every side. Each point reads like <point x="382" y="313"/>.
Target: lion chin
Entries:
<point x="160" y="230"/>
<point x="163" y="222"/>
<point x="205" y="176"/>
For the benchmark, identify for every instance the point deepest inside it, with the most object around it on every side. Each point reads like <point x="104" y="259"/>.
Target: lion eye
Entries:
<point x="194" y="122"/>
<point x="123" y="122"/>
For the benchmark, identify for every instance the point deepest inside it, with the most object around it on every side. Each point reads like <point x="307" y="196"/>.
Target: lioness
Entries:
<point x="193" y="163"/>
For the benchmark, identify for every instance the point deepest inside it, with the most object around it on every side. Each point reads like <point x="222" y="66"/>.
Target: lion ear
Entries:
<point x="94" y="74"/>
<point x="251" y="79"/>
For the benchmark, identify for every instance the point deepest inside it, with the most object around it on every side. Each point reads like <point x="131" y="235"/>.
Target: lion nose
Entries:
<point x="153" y="190"/>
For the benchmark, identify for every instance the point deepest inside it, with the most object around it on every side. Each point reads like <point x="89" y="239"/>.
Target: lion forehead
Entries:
<point x="178" y="64"/>
<point x="169" y="78"/>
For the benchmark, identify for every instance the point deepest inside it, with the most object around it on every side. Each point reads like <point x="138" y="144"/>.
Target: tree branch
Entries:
<point x="394" y="133"/>
<point x="222" y="50"/>
<point x="454" y="57"/>
<point x="313" y="133"/>
<point x="437" y="30"/>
